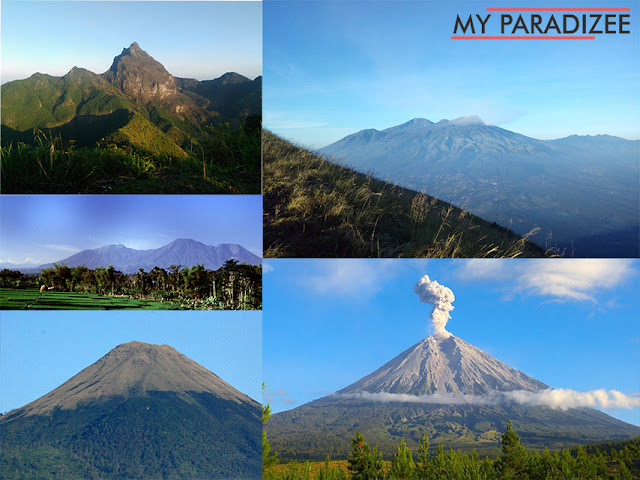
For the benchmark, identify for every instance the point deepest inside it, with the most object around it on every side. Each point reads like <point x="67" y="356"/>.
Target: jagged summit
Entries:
<point x="448" y="365"/>
<point x="138" y="75"/>
<point x="134" y="369"/>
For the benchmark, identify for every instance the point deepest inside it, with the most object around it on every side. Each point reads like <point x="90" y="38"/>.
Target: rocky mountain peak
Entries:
<point x="448" y="365"/>
<point x="138" y="75"/>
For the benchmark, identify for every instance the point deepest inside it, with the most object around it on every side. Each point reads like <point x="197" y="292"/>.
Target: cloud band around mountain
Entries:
<point x="556" y="398"/>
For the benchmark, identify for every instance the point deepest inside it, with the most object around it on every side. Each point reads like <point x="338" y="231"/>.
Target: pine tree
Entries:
<point x="364" y="463"/>
<point x="425" y="467"/>
<point x="402" y="466"/>
<point x="267" y="458"/>
<point x="512" y="463"/>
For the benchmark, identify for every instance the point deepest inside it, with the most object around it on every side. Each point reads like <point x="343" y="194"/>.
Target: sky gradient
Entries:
<point x="201" y="40"/>
<point x="568" y="323"/>
<point x="45" y="228"/>
<point x="41" y="350"/>
<point x="334" y="68"/>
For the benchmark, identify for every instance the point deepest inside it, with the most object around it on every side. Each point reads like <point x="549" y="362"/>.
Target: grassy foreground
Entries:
<point x="314" y="208"/>
<point x="226" y="162"/>
<point x="33" y="299"/>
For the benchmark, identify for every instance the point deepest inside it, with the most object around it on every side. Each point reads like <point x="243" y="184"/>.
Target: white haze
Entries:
<point x="431" y="292"/>
<point x="560" y="398"/>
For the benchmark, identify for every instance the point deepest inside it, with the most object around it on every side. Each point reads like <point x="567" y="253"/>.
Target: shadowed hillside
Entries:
<point x="314" y="208"/>
<point x="133" y="129"/>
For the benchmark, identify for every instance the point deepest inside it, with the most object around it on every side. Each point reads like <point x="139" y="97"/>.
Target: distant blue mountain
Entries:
<point x="184" y="252"/>
<point x="582" y="191"/>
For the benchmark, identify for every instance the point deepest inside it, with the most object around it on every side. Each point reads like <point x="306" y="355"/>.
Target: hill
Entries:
<point x="136" y="104"/>
<point x="443" y="388"/>
<point x="583" y="190"/>
<point x="141" y="411"/>
<point x="315" y="208"/>
<point x="184" y="252"/>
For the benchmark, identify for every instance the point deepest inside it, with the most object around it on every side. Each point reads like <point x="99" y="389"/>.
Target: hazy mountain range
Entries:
<point x="184" y="252"/>
<point x="141" y="411"/>
<point x="583" y="190"/>
<point x="136" y="101"/>
<point x="445" y="388"/>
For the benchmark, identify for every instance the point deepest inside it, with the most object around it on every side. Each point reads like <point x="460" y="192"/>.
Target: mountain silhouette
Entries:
<point x="582" y="190"/>
<point x="184" y="252"/>
<point x="141" y="411"/>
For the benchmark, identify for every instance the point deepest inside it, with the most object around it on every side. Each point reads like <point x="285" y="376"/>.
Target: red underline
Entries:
<point x="523" y="38"/>
<point x="558" y="9"/>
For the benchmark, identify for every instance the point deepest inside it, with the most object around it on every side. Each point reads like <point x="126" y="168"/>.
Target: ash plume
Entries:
<point x="441" y="297"/>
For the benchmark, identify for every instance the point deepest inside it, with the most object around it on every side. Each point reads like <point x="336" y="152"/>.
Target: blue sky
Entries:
<point x="45" y="228"/>
<point x="41" y="350"/>
<point x="200" y="40"/>
<point x="568" y="323"/>
<point x="333" y="68"/>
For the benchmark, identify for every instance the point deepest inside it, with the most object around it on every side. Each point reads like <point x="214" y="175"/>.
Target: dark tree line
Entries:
<point x="233" y="286"/>
<point x="515" y="462"/>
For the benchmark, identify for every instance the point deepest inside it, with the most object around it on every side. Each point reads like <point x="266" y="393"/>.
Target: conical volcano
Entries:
<point x="141" y="411"/>
<point x="448" y="365"/>
<point x="446" y="389"/>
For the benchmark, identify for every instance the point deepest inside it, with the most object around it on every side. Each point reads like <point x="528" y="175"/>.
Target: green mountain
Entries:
<point x="140" y="412"/>
<point x="136" y="102"/>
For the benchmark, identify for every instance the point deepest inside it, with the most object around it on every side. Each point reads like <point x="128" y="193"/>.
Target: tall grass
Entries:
<point x="52" y="165"/>
<point x="314" y="208"/>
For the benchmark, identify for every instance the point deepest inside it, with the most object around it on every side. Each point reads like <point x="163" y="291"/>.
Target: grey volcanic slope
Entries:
<point x="584" y="190"/>
<point x="140" y="412"/>
<point x="435" y="366"/>
<point x="183" y="252"/>
<point x="133" y="367"/>
<point x="445" y="366"/>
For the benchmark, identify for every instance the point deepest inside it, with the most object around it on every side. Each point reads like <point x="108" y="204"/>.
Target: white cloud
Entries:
<point x="354" y="278"/>
<point x="559" y="399"/>
<point x="267" y="267"/>
<point x="562" y="279"/>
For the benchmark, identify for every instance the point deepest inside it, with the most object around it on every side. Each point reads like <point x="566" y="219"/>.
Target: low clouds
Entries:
<point x="556" y="398"/>
<point x="560" y="279"/>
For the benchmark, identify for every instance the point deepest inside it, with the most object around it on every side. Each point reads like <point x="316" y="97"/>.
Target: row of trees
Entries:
<point x="233" y="286"/>
<point x="515" y="462"/>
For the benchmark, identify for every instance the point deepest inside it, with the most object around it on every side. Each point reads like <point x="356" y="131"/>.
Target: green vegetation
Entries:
<point x="620" y="460"/>
<point x="89" y="133"/>
<point x="234" y="286"/>
<point x="225" y="161"/>
<point x="314" y="208"/>
<point x="159" y="435"/>
<point x="34" y="299"/>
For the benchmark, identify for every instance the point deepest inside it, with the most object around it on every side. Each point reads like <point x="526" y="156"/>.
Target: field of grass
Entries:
<point x="33" y="299"/>
<point x="314" y="208"/>
<point x="228" y="163"/>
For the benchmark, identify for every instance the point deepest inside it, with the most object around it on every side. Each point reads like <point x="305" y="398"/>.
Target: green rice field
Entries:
<point x="33" y="299"/>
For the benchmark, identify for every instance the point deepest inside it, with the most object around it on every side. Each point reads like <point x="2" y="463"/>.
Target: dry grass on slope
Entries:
<point x="314" y="208"/>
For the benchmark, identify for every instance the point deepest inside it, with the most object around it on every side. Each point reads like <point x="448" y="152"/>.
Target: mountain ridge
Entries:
<point x="567" y="187"/>
<point x="136" y="101"/>
<point x="184" y="252"/>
